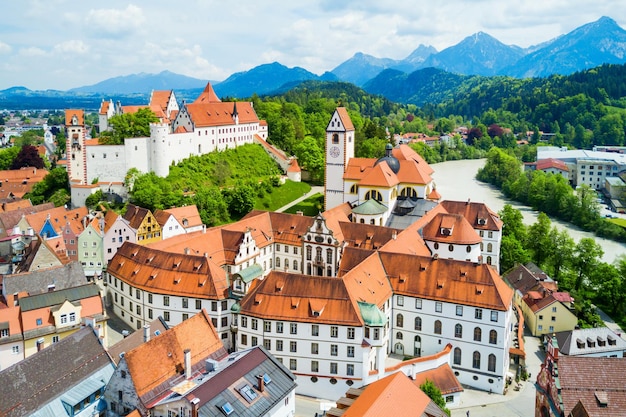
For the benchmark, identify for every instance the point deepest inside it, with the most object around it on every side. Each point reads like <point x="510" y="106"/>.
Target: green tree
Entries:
<point x="93" y="200"/>
<point x="434" y="393"/>
<point x="128" y="125"/>
<point x="609" y="286"/>
<point x="7" y="156"/>
<point x="561" y="256"/>
<point x="240" y="200"/>
<point x="55" y="183"/>
<point x="311" y="157"/>
<point x="211" y="206"/>
<point x="587" y="254"/>
<point x="539" y="239"/>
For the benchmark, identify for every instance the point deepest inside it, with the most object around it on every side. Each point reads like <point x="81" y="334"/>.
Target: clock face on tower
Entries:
<point x="334" y="151"/>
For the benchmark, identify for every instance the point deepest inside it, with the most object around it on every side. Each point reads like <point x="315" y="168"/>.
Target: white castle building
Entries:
<point x="197" y="128"/>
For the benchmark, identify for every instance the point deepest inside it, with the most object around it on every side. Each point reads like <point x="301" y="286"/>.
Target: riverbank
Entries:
<point x="456" y="180"/>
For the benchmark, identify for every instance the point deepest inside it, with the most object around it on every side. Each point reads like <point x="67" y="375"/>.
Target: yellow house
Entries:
<point x="145" y="225"/>
<point x="49" y="317"/>
<point x="547" y="314"/>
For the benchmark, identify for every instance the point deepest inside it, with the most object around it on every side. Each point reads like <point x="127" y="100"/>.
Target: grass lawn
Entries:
<point x="282" y="195"/>
<point x="310" y="207"/>
<point x="618" y="221"/>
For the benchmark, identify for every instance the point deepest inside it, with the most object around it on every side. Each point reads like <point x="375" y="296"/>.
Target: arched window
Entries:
<point x="493" y="337"/>
<point x="309" y="253"/>
<point x="476" y="360"/>
<point x="318" y="254"/>
<point x="329" y="271"/>
<point x="451" y="247"/>
<point x="354" y="189"/>
<point x="468" y="249"/>
<point x="399" y="336"/>
<point x="394" y="194"/>
<point x="362" y="220"/>
<point x="408" y="192"/>
<point x="458" y="330"/>
<point x="489" y="247"/>
<point x="399" y="320"/>
<point x="374" y="195"/>
<point x="481" y="246"/>
<point x="372" y="221"/>
<point x="286" y="263"/>
<point x="418" y="323"/>
<point x="335" y="138"/>
<point x="437" y="327"/>
<point x="457" y="356"/>
<point x="488" y="260"/>
<point x="491" y="363"/>
<point x="478" y="334"/>
<point x="295" y="264"/>
<point x="277" y="262"/>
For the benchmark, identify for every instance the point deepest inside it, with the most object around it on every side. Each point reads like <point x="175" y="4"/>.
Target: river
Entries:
<point x="456" y="180"/>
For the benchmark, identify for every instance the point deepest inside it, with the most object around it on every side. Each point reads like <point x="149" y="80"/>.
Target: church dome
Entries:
<point x="391" y="160"/>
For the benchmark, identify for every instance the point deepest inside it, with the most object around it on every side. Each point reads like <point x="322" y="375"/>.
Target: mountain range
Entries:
<point x="588" y="46"/>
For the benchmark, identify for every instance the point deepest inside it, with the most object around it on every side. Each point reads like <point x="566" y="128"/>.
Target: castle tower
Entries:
<point x="75" y="146"/>
<point x="339" y="150"/>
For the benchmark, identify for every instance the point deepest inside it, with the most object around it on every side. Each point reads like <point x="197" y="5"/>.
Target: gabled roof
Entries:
<point x="37" y="282"/>
<point x="366" y="236"/>
<point x="151" y="365"/>
<point x="135" y="215"/>
<point x="524" y="280"/>
<point x="109" y="219"/>
<point x="70" y="113"/>
<point x="447" y="280"/>
<point x="395" y="395"/>
<point x="59" y="218"/>
<point x="50" y="373"/>
<point x="551" y="163"/>
<point x="220" y="113"/>
<point x="443" y="378"/>
<point x="588" y="379"/>
<point x="208" y="95"/>
<point x="11" y="218"/>
<point x="539" y="303"/>
<point x="344" y="117"/>
<point x="57" y="297"/>
<point x="155" y="328"/>
<point x="303" y="298"/>
<point x="189" y="213"/>
<point x="380" y="176"/>
<point x="450" y="228"/>
<point x="161" y="217"/>
<point x="479" y="215"/>
<point x="154" y="270"/>
<point x="244" y="368"/>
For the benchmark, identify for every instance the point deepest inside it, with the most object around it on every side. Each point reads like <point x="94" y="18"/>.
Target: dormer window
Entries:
<point x="446" y="231"/>
<point x="482" y="221"/>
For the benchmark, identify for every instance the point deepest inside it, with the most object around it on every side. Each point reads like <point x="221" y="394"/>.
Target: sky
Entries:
<point x="62" y="44"/>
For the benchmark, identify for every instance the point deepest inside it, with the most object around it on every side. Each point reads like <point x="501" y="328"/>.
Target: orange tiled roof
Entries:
<point x="285" y="296"/>
<point x="133" y="109"/>
<point x="434" y="195"/>
<point x="473" y="212"/>
<point x="10" y="313"/>
<point x="160" y="99"/>
<point x="207" y="96"/>
<point x="447" y="280"/>
<point x="404" y="152"/>
<point x="462" y="233"/>
<point x="59" y="218"/>
<point x="154" y="270"/>
<point x="161" y="217"/>
<point x="293" y="166"/>
<point x="442" y="377"/>
<point x="412" y="173"/>
<point x="92" y="142"/>
<point x="104" y="107"/>
<point x="358" y="168"/>
<point x="392" y="396"/>
<point x="14" y="205"/>
<point x="109" y="219"/>
<point x="551" y="163"/>
<point x="29" y="174"/>
<point x="380" y="176"/>
<point x="155" y="362"/>
<point x="189" y="213"/>
<point x="220" y="113"/>
<point x="345" y="118"/>
<point x="91" y="306"/>
<point x="80" y="115"/>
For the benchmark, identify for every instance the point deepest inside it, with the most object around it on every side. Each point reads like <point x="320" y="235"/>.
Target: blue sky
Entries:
<point x="60" y="44"/>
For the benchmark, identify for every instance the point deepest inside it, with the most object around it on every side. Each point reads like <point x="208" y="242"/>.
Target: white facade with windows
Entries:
<point x="479" y="338"/>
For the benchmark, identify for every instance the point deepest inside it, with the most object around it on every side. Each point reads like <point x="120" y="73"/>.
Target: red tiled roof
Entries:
<point x="551" y="163"/>
<point x="80" y="115"/>
<point x="220" y="113"/>
<point x="345" y="118"/>
<point x="460" y="231"/>
<point x="208" y="95"/>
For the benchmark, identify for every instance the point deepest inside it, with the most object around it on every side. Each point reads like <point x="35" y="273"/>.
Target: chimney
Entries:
<point x="186" y="251"/>
<point x="187" y="353"/>
<point x="394" y="235"/>
<point x="146" y="333"/>
<point x="261" y="383"/>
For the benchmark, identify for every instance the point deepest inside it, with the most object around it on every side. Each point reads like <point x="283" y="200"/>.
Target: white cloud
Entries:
<point x="33" y="51"/>
<point x="115" y="22"/>
<point x="5" y="48"/>
<point x="71" y="47"/>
